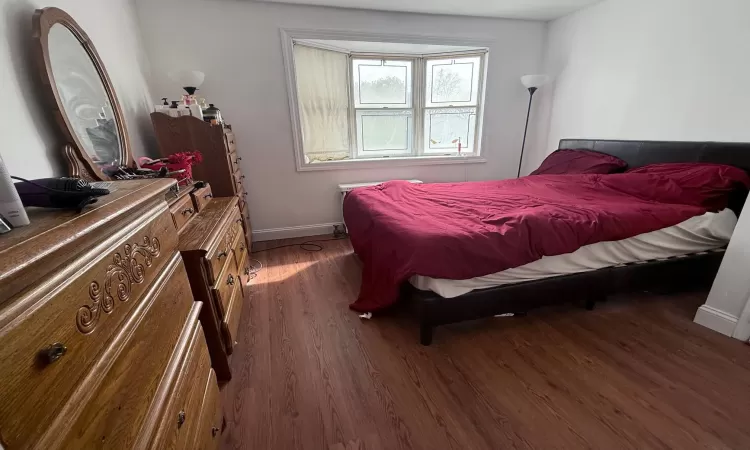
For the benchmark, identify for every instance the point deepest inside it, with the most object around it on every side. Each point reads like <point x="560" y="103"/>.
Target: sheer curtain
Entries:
<point x="322" y="94"/>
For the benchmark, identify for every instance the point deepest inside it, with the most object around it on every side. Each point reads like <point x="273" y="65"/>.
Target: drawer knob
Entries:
<point x="180" y="418"/>
<point x="230" y="280"/>
<point x="247" y="271"/>
<point x="214" y="431"/>
<point x="207" y="196"/>
<point x="242" y="177"/>
<point x="53" y="352"/>
<point x="239" y="220"/>
<point x="239" y="158"/>
<point x="221" y="255"/>
<point x="187" y="211"/>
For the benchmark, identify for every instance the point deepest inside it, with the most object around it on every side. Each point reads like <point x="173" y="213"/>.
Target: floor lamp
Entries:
<point x="532" y="83"/>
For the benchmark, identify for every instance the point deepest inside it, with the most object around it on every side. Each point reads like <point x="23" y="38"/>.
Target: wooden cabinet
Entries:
<point x="100" y="340"/>
<point x="221" y="159"/>
<point x="210" y="246"/>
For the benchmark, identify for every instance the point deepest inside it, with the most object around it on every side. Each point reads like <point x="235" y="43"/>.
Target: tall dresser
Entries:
<point x="221" y="162"/>
<point x="100" y="342"/>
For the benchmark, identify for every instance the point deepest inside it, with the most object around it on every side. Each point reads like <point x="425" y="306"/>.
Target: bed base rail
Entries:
<point x="667" y="275"/>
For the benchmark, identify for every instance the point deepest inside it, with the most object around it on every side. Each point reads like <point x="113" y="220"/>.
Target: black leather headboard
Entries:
<point x="641" y="153"/>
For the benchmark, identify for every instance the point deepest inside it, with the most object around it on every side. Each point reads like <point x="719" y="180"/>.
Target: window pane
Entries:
<point x="381" y="84"/>
<point x="445" y="128"/>
<point x="452" y="82"/>
<point x="383" y="132"/>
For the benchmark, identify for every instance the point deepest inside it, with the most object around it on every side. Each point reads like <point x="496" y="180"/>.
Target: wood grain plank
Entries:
<point x="634" y="373"/>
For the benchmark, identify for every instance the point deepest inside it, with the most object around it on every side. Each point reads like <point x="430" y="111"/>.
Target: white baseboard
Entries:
<point x="293" y="232"/>
<point x="716" y="319"/>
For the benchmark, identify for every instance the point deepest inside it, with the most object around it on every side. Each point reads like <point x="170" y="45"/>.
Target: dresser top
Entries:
<point x="59" y="232"/>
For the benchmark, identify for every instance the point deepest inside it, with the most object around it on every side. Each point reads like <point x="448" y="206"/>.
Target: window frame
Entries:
<point x="418" y="157"/>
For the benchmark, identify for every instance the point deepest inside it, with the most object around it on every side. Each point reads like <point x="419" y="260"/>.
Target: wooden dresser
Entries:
<point x="217" y="261"/>
<point x="100" y="340"/>
<point x="221" y="162"/>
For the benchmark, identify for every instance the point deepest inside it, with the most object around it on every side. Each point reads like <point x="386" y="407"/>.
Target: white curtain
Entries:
<point x="322" y="94"/>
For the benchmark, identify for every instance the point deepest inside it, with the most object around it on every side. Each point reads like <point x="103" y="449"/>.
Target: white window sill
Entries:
<point x="390" y="162"/>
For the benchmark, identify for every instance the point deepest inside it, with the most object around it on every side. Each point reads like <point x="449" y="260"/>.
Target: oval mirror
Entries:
<point x="85" y="104"/>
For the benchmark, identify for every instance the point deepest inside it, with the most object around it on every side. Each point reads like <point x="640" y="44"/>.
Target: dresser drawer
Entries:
<point x="234" y="161"/>
<point x="116" y="399"/>
<point x="224" y="286"/>
<point x="182" y="212"/>
<point x="209" y="431"/>
<point x="201" y="197"/>
<point x="239" y="251"/>
<point x="181" y="424"/>
<point x="223" y="251"/>
<point x="231" y="144"/>
<point x="232" y="318"/>
<point x="245" y="270"/>
<point x="51" y="346"/>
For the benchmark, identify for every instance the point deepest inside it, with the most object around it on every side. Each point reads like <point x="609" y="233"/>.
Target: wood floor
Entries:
<point x="634" y="373"/>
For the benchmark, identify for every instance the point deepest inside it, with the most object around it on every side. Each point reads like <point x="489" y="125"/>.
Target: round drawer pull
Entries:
<point x="230" y="280"/>
<point x="187" y="211"/>
<point x="221" y="255"/>
<point x="181" y="418"/>
<point x="207" y="196"/>
<point x="239" y="220"/>
<point x="247" y="271"/>
<point x="242" y="248"/>
<point x="53" y="352"/>
<point x="214" y="431"/>
<point x="242" y="177"/>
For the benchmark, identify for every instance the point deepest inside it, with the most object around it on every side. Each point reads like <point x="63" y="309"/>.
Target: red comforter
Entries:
<point x="465" y="230"/>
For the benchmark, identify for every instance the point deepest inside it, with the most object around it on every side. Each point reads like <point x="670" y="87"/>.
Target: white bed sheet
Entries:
<point x="700" y="233"/>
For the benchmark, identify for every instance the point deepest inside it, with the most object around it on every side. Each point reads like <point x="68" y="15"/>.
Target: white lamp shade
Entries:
<point x="185" y="78"/>
<point x="534" y="81"/>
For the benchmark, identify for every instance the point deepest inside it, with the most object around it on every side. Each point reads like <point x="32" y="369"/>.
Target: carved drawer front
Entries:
<point x="245" y="269"/>
<point x="182" y="212"/>
<point x="223" y="252"/>
<point x="201" y="197"/>
<point x="52" y="345"/>
<point x="209" y="432"/>
<point x="222" y="290"/>
<point x="239" y="250"/>
<point x="122" y="393"/>
<point x="234" y="161"/>
<point x="238" y="177"/>
<point x="231" y="323"/>
<point x="180" y="426"/>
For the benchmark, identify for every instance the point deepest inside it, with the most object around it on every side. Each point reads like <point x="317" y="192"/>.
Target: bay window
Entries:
<point x="355" y="105"/>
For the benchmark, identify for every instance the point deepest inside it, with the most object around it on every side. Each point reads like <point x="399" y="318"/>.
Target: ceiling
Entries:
<point x="514" y="9"/>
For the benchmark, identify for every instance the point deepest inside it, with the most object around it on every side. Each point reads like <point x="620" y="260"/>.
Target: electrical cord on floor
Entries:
<point x="308" y="246"/>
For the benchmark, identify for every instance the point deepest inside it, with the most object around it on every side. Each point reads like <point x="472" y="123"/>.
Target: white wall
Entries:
<point x="238" y="46"/>
<point x="31" y="146"/>
<point x="657" y="69"/>
<point x="648" y="69"/>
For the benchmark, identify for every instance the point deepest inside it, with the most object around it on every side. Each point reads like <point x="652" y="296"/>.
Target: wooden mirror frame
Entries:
<point x="80" y="164"/>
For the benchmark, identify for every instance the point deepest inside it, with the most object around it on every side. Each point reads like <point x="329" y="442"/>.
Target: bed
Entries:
<point x="509" y="246"/>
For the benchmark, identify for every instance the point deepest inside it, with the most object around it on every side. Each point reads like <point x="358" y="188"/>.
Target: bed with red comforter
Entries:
<point x="466" y="230"/>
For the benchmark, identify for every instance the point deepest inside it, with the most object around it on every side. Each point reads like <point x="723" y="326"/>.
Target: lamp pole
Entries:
<point x="526" y="129"/>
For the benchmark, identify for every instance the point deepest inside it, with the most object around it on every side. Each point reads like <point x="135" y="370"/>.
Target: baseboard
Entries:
<point x="716" y="319"/>
<point x="293" y="232"/>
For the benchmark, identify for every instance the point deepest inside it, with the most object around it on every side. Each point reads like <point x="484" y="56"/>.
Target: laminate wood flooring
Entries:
<point x="634" y="373"/>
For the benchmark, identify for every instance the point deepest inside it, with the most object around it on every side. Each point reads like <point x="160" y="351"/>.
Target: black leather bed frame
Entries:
<point x="667" y="275"/>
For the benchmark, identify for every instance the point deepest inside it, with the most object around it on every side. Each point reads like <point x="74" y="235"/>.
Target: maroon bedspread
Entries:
<point x="466" y="230"/>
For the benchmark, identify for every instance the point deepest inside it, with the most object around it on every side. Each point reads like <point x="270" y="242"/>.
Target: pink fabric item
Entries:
<point x="465" y="230"/>
<point x="562" y="162"/>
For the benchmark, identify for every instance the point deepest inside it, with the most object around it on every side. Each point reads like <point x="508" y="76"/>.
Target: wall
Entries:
<point x="646" y="69"/>
<point x="666" y="69"/>
<point x="31" y="142"/>
<point x="239" y="49"/>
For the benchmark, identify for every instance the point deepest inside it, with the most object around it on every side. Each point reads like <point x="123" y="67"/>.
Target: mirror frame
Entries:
<point x="80" y="164"/>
